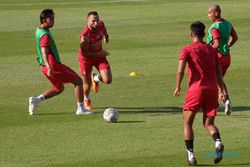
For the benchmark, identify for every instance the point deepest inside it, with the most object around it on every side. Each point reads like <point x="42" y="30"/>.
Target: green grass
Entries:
<point x="146" y="36"/>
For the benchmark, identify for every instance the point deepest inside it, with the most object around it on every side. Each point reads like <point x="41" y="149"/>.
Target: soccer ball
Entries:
<point x="111" y="115"/>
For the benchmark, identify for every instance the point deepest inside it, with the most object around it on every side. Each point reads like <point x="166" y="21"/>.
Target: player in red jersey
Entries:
<point x="91" y="53"/>
<point x="204" y="74"/>
<point x="221" y="36"/>
<point x="51" y="66"/>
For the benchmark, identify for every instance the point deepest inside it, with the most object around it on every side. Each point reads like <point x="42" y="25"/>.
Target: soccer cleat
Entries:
<point x="87" y="105"/>
<point x="218" y="153"/>
<point x="228" y="107"/>
<point x="82" y="111"/>
<point x="193" y="162"/>
<point x="95" y="85"/>
<point x="33" y="103"/>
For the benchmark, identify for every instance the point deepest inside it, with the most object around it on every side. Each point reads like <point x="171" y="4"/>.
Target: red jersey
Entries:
<point x="94" y="38"/>
<point x="45" y="42"/>
<point x="202" y="61"/>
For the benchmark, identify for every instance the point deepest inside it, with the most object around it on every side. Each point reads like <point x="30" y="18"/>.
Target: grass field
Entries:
<point x="146" y="36"/>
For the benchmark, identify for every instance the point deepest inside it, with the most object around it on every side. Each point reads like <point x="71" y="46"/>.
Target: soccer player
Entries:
<point x="51" y="66"/>
<point x="91" y="53"/>
<point x="204" y="73"/>
<point x="221" y="36"/>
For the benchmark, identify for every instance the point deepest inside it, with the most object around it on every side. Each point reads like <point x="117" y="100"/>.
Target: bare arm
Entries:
<point x="216" y="43"/>
<point x="234" y="38"/>
<point x="179" y="76"/>
<point x="106" y="36"/>
<point x="45" y="52"/>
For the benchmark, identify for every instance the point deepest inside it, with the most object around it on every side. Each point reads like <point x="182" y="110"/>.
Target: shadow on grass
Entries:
<point x="140" y="110"/>
<point x="235" y="164"/>
<point x="241" y="108"/>
<point x="130" y="122"/>
<point x="54" y="113"/>
<point x="237" y="108"/>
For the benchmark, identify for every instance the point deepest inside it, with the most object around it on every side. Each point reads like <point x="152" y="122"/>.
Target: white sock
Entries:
<point x="86" y="97"/>
<point x="217" y="143"/>
<point x="190" y="155"/>
<point x="40" y="98"/>
<point x="97" y="77"/>
<point x="80" y="105"/>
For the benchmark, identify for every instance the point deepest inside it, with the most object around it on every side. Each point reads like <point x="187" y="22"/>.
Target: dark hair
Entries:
<point x="45" y="14"/>
<point x="198" y="29"/>
<point x="217" y="8"/>
<point x="92" y="13"/>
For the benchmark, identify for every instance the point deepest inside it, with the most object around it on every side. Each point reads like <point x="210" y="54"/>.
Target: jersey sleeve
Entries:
<point x="215" y="34"/>
<point x="184" y="54"/>
<point x="45" y="41"/>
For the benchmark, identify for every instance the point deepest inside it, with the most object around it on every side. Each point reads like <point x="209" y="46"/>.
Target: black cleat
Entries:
<point x="218" y="154"/>
<point x="193" y="162"/>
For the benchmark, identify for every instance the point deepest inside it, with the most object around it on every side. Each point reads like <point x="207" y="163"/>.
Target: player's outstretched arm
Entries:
<point x="179" y="77"/>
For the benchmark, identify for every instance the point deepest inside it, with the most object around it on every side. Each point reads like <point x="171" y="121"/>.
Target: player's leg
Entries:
<point x="188" y="119"/>
<point x="104" y="75"/>
<point x="70" y="76"/>
<point x="225" y="62"/>
<point x="208" y="123"/>
<point x="209" y="108"/>
<point x="190" y="108"/>
<point x="86" y="68"/>
<point x="55" y="90"/>
<point x="86" y="91"/>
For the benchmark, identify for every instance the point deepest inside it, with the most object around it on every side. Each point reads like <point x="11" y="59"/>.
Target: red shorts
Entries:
<point x="86" y="64"/>
<point x="61" y="74"/>
<point x="205" y="99"/>
<point x="224" y="62"/>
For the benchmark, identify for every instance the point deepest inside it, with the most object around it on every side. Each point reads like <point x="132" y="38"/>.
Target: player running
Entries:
<point x="221" y="36"/>
<point x="204" y="73"/>
<point x="51" y="66"/>
<point x="92" y="54"/>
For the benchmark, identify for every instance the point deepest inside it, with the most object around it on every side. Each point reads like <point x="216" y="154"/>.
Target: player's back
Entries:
<point x="202" y="62"/>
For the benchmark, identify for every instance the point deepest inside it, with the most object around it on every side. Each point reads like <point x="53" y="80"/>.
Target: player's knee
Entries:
<point x="107" y="80"/>
<point x="79" y="82"/>
<point x="60" y="89"/>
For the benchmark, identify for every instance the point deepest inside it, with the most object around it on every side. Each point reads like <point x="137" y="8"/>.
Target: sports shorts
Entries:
<point x="224" y="62"/>
<point x="207" y="100"/>
<point x="61" y="73"/>
<point x="86" y="64"/>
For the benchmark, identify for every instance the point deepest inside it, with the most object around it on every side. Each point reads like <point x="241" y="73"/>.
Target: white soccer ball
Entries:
<point x="111" y="115"/>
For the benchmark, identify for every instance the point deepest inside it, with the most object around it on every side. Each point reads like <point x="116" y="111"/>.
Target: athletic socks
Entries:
<point x="217" y="143"/>
<point x="217" y="139"/>
<point x="80" y="105"/>
<point x="97" y="77"/>
<point x="190" y="149"/>
<point x="190" y="155"/>
<point x="86" y="97"/>
<point x="40" y="98"/>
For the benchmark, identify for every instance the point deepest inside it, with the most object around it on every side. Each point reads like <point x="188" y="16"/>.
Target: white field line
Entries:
<point x="69" y="3"/>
